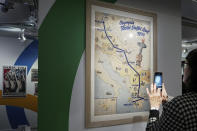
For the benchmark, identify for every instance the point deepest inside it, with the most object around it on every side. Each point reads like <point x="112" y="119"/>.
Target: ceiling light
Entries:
<point x="21" y="36"/>
<point x="185" y="50"/>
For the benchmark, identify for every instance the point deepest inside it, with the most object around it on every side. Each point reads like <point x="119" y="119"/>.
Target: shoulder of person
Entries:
<point x="182" y="100"/>
<point x="175" y="101"/>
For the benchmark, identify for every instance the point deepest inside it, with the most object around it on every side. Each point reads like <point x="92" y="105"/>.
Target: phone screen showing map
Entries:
<point x="158" y="79"/>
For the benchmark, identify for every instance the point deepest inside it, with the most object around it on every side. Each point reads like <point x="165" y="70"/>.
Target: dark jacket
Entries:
<point x="180" y="114"/>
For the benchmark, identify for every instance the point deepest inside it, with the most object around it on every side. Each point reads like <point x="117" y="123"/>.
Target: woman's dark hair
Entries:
<point x="192" y="62"/>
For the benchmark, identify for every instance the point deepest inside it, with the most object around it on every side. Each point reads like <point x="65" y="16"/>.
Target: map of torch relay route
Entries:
<point x="122" y="64"/>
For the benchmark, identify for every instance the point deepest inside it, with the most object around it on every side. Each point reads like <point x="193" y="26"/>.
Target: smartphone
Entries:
<point x="158" y="80"/>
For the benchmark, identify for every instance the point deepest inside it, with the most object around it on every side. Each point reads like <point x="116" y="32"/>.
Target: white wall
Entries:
<point x="169" y="61"/>
<point x="43" y="10"/>
<point x="10" y="50"/>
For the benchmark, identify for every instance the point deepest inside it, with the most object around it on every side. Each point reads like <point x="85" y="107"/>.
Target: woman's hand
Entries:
<point x="164" y="94"/>
<point x="155" y="96"/>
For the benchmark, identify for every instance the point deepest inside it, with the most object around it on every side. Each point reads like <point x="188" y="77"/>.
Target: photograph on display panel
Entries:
<point x="14" y="81"/>
<point x="34" y="75"/>
<point x="120" y="61"/>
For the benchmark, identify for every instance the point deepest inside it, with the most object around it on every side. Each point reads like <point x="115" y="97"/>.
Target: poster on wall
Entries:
<point x="34" y="75"/>
<point x="120" y="61"/>
<point x="14" y="81"/>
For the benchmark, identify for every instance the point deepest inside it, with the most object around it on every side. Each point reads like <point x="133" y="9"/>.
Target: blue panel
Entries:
<point x="27" y="58"/>
<point x="16" y="116"/>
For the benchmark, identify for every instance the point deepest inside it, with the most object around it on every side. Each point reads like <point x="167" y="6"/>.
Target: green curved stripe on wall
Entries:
<point x="61" y="44"/>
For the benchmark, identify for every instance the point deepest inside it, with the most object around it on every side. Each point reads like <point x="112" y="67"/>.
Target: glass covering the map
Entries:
<point x="121" y="64"/>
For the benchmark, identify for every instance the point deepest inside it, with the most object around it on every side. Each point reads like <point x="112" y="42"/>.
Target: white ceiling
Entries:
<point x="23" y="15"/>
<point x="189" y="28"/>
<point x="188" y="8"/>
<point x="20" y="13"/>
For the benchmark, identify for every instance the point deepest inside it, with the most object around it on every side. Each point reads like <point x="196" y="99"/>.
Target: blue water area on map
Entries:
<point x="102" y="89"/>
<point x="124" y="106"/>
<point x="123" y="99"/>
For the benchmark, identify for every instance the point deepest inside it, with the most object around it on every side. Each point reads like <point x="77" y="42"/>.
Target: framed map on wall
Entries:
<point x="120" y="63"/>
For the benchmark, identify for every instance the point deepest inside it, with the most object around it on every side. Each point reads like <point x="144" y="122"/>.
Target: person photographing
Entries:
<point x="179" y="114"/>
